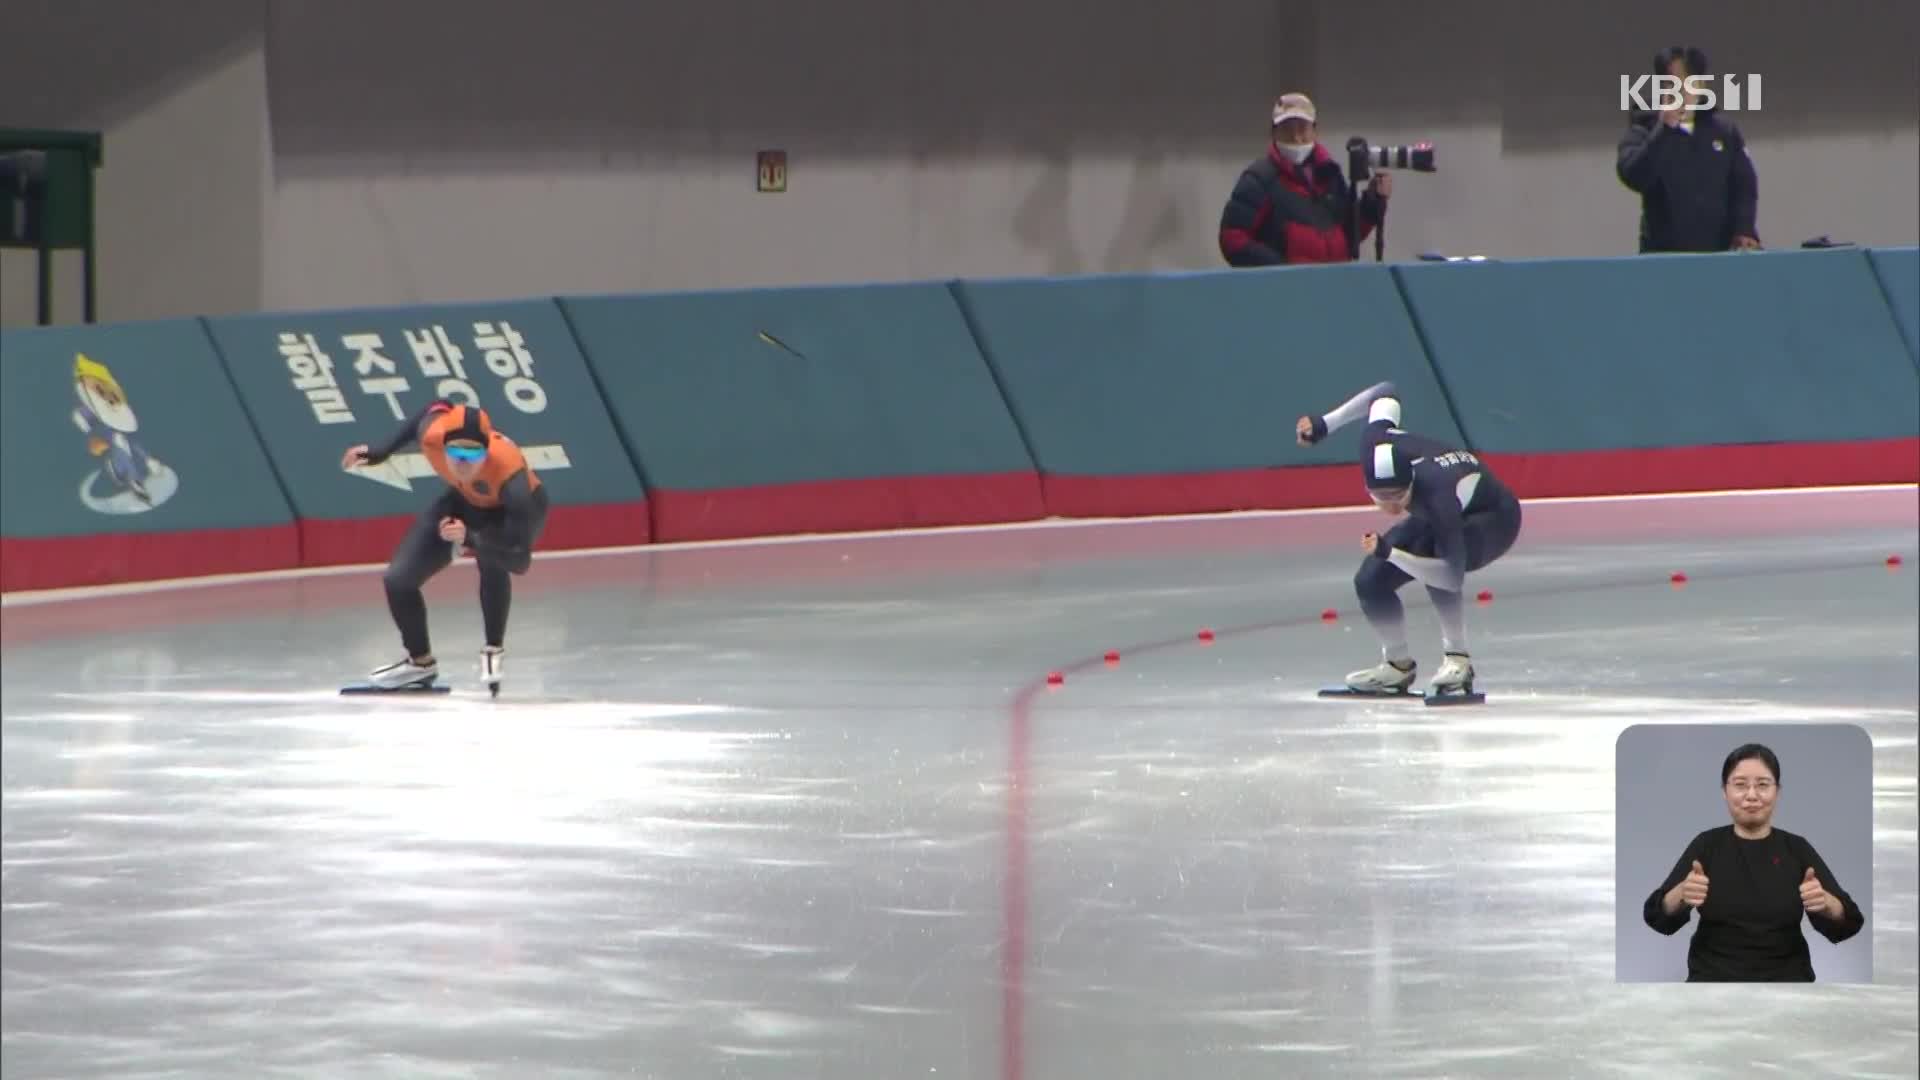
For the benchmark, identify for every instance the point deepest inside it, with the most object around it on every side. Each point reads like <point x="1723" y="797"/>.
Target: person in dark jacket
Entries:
<point x="1292" y="205"/>
<point x="1698" y="190"/>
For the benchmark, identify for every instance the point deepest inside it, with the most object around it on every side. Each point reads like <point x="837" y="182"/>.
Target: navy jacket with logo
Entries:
<point x="1697" y="189"/>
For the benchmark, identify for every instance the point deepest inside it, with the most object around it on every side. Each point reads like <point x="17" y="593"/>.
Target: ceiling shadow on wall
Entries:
<point x="1041" y="223"/>
<point x="1149" y="223"/>
<point x="92" y="64"/>
<point x="482" y="84"/>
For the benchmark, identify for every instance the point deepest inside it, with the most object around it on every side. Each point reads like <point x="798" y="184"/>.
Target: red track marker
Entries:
<point x="1329" y="615"/>
<point x="1205" y="635"/>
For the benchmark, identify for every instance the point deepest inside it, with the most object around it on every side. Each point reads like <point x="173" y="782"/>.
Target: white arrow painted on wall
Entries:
<point x="401" y="470"/>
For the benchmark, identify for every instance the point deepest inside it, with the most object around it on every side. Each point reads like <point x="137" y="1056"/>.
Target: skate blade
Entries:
<point x="415" y="688"/>
<point x="1389" y="695"/>
<point x="1456" y="697"/>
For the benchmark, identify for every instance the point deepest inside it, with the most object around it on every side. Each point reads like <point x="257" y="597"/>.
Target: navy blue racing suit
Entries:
<point x="1459" y="518"/>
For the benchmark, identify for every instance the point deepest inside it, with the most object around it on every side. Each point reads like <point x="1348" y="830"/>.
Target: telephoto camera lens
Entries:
<point x="1418" y="157"/>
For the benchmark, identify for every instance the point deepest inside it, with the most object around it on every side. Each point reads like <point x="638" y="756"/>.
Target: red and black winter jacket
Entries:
<point x="1283" y="213"/>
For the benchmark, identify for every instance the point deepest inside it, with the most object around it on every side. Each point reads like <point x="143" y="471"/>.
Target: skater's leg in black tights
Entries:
<point x="499" y="563"/>
<point x="1453" y="622"/>
<point x="1489" y="535"/>
<point x="1378" y="587"/>
<point x="496" y="599"/>
<point x="421" y="555"/>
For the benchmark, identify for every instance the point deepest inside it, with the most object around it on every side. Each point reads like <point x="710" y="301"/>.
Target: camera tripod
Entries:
<point x="1357" y="171"/>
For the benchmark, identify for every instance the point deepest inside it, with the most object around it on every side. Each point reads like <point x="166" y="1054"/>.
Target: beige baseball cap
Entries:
<point x="1293" y="107"/>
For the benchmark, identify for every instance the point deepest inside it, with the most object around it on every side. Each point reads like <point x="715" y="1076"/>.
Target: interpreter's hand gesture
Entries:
<point x="1813" y="895"/>
<point x="1693" y="890"/>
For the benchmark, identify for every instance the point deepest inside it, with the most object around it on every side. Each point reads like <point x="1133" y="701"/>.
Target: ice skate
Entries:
<point x="1454" y="677"/>
<point x="492" y="659"/>
<point x="1453" y="683"/>
<point x="1386" y="679"/>
<point x="401" y="676"/>
<point x="404" y="674"/>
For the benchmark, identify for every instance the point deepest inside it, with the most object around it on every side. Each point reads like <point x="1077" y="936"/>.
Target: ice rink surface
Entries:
<point x="810" y="809"/>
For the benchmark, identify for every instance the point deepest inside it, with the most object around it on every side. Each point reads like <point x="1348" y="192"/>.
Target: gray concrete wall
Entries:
<point x="460" y="149"/>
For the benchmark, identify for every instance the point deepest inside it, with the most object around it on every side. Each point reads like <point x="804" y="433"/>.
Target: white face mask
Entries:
<point x="1296" y="154"/>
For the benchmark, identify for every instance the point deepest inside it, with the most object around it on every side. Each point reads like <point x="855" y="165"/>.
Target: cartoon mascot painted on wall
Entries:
<point x="129" y="480"/>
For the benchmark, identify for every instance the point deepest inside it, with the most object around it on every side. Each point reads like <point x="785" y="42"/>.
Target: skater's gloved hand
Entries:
<point x="1371" y="544"/>
<point x="355" y="455"/>
<point x="1309" y="430"/>
<point x="453" y="530"/>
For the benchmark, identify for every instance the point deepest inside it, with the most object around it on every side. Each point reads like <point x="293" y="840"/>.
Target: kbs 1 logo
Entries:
<point x="1669" y="92"/>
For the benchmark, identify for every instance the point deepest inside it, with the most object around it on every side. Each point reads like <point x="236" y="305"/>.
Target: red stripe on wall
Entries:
<point x="1532" y="476"/>
<point x="1203" y="492"/>
<point x="656" y="572"/>
<point x="372" y="540"/>
<point x="70" y="561"/>
<point x="828" y="506"/>
<point x="295" y="598"/>
<point x="1709" y="468"/>
<point x="61" y="562"/>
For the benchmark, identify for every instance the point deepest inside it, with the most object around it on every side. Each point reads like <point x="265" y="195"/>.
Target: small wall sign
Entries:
<point x="773" y="170"/>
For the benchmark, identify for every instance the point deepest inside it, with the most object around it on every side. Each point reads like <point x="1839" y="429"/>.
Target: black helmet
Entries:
<point x="1387" y="467"/>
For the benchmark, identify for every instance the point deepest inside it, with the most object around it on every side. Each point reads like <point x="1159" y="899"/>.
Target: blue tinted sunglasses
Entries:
<point x="467" y="453"/>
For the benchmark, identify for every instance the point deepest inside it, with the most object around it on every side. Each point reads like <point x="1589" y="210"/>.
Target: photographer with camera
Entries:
<point x="1294" y="205"/>
<point x="1698" y="190"/>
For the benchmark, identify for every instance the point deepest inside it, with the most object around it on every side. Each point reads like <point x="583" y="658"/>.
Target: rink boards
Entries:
<point x="687" y="416"/>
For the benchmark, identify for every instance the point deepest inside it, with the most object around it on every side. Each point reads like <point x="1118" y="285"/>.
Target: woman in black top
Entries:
<point x="1751" y="883"/>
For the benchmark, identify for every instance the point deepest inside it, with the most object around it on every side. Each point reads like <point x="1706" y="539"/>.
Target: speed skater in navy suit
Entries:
<point x="1458" y="518"/>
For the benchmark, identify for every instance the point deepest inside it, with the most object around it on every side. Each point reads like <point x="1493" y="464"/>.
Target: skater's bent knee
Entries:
<point x="1374" y="576"/>
<point x="513" y="562"/>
